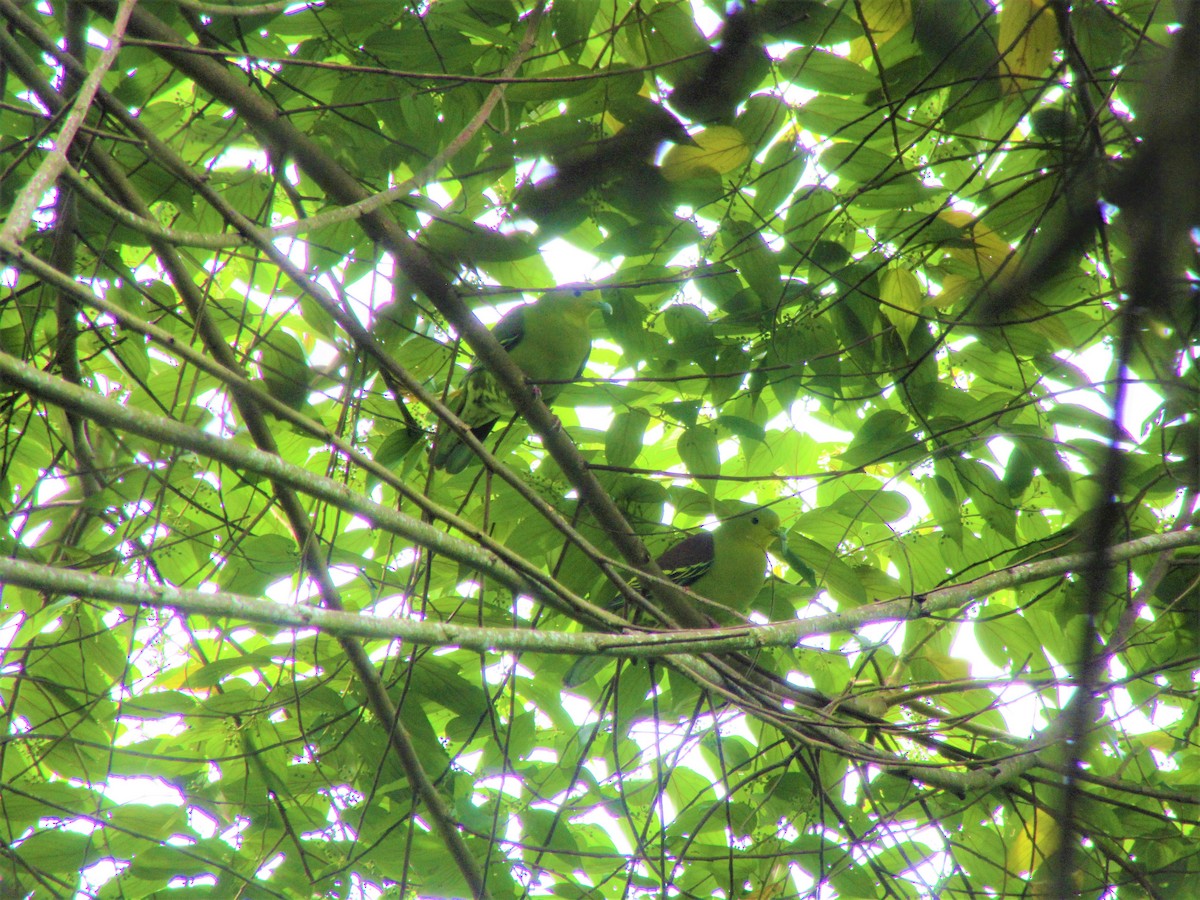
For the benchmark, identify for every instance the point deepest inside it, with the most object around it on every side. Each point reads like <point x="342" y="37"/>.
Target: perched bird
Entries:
<point x="548" y="339"/>
<point x="729" y="564"/>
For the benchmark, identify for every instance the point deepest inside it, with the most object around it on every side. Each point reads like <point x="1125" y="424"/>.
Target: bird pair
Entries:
<point x="550" y="340"/>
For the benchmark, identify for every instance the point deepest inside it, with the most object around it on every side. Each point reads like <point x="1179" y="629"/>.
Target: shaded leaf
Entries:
<point x="717" y="150"/>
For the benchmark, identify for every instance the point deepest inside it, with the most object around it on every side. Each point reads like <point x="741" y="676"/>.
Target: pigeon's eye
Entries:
<point x="754" y="520"/>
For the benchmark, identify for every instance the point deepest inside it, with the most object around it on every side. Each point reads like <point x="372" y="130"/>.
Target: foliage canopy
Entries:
<point x="917" y="274"/>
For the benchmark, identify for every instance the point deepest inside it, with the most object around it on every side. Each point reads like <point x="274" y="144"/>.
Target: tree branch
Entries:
<point x="632" y="645"/>
<point x="424" y="272"/>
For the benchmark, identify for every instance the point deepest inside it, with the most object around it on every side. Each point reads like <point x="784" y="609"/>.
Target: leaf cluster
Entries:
<point x="881" y="265"/>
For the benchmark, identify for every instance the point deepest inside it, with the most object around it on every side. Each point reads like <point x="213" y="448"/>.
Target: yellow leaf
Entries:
<point x="718" y="150"/>
<point x="1037" y="840"/>
<point x="882" y="19"/>
<point x="1028" y="38"/>
<point x="773" y="885"/>
<point x="990" y="252"/>
<point x="949" y="667"/>
<point x="1043" y="320"/>
<point x="903" y="297"/>
<point x="954" y="288"/>
<point x="1156" y="740"/>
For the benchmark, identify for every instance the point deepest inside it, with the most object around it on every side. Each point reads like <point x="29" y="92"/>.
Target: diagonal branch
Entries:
<point x="423" y="271"/>
<point x="23" y="208"/>
<point x="397" y="378"/>
<point x="111" y="414"/>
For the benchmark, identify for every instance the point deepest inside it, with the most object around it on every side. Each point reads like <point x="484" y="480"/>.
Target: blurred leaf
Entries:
<point x="807" y="217"/>
<point x="902" y="299"/>
<point x="1027" y="41"/>
<point x="697" y="448"/>
<point x="718" y="150"/>
<point x="821" y="70"/>
<point x="623" y="441"/>
<point x="781" y="171"/>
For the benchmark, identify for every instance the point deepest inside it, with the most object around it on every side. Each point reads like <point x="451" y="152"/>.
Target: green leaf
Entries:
<point x="831" y="573"/>
<point x="862" y="165"/>
<point x="54" y="852"/>
<point x="808" y="217"/>
<point x="572" y="23"/>
<point x="761" y="119"/>
<point x="842" y="119"/>
<point x="746" y="249"/>
<point x="215" y="672"/>
<point x="821" y="70"/>
<point x="259" y="561"/>
<point x="697" y="448"/>
<point x="876" y="506"/>
<point x="944" y="502"/>
<point x="623" y="440"/>
<point x="988" y="495"/>
<point x="781" y="171"/>
<point x="809" y="300"/>
<point x="396" y="446"/>
<point x="284" y="369"/>
<point x="745" y="429"/>
<point x="550" y="84"/>
<point x="884" y="437"/>
<point x="807" y="22"/>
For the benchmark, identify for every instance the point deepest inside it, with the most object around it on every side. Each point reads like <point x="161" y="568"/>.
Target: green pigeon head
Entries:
<point x="760" y="526"/>
<point x="574" y="302"/>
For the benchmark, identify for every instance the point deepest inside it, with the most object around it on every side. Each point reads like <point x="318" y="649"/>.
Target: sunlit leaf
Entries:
<point x="916" y="275"/>
<point x="883" y="20"/>
<point x="718" y="150"/>
<point x="985" y="251"/>
<point x="623" y="442"/>
<point x="901" y="297"/>
<point x="1027" y="40"/>
<point x="697" y="448"/>
<point x="821" y="70"/>
<point x="830" y="572"/>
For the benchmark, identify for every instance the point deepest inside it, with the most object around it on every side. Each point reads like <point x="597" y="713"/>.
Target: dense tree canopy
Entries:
<point x="917" y="275"/>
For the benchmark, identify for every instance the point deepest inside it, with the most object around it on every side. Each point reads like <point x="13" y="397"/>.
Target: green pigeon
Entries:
<point x="727" y="565"/>
<point x="548" y="339"/>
